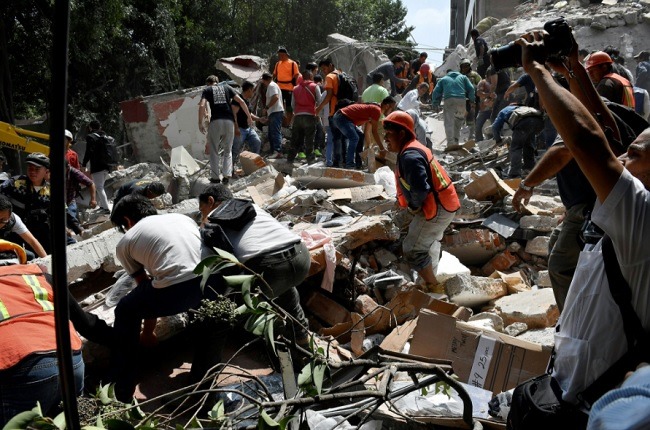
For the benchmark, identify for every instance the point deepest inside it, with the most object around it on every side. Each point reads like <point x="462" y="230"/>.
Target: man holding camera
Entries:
<point x="592" y="317"/>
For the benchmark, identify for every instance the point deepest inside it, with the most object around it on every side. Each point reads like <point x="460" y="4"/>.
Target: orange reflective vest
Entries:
<point x="284" y="73"/>
<point x="442" y="192"/>
<point x="26" y="314"/>
<point x="628" y="91"/>
<point x="429" y="80"/>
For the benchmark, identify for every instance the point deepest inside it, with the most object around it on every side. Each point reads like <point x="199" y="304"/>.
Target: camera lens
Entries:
<point x="506" y="56"/>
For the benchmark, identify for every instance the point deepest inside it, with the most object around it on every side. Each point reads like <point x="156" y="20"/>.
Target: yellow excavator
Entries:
<point x="19" y="139"/>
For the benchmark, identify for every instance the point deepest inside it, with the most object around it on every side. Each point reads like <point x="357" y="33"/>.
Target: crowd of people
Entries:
<point x="601" y="158"/>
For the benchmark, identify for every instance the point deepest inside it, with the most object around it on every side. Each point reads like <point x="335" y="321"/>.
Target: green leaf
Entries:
<point x="206" y="263"/>
<point x="92" y="428"/>
<point x="246" y="290"/>
<point x="285" y="421"/>
<point x="104" y="394"/>
<point x="59" y="421"/>
<point x="227" y="255"/>
<point x="99" y="422"/>
<point x="242" y="310"/>
<point x="115" y="424"/>
<point x="257" y="324"/>
<point x="236" y="280"/>
<point x="21" y="421"/>
<point x="195" y="424"/>
<point x="267" y="421"/>
<point x="270" y="338"/>
<point x="135" y="413"/>
<point x="217" y="411"/>
<point x="319" y="376"/>
<point x="304" y="377"/>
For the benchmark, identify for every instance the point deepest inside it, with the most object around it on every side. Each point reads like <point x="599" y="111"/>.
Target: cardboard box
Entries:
<point x="487" y="359"/>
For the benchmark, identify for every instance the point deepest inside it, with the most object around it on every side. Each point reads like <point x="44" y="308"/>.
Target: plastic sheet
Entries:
<point x="385" y="176"/>
<point x="121" y="288"/>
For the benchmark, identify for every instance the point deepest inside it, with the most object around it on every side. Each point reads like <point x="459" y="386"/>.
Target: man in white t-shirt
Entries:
<point x="412" y="99"/>
<point x="160" y="252"/>
<point x="591" y="336"/>
<point x="275" y="112"/>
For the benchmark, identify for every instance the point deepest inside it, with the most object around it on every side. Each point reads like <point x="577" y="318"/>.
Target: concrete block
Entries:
<point x="535" y="308"/>
<point x="631" y="17"/>
<point x="250" y="162"/>
<point x="543" y="279"/>
<point x="363" y="230"/>
<point x="541" y="223"/>
<point x="449" y="266"/>
<point x="502" y="261"/>
<point x="515" y="281"/>
<point x="473" y="246"/>
<point x="474" y="291"/>
<point x="487" y="320"/>
<point x="515" y="329"/>
<point x="180" y="157"/>
<point x="327" y="309"/>
<point x="319" y="176"/>
<point x="384" y="257"/>
<point x="538" y="246"/>
<point x="540" y="336"/>
<point x="93" y="254"/>
<point x="549" y="205"/>
<point x="257" y="177"/>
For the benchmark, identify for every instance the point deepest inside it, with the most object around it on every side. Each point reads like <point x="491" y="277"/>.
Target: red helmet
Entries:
<point x="402" y="119"/>
<point x="597" y="58"/>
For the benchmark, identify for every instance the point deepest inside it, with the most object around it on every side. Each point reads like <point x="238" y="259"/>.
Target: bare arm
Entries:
<point x="325" y="101"/>
<point x="511" y="89"/>
<point x="375" y="133"/>
<point x="201" y="115"/>
<point x="93" y="195"/>
<point x="578" y="128"/>
<point x="34" y="243"/>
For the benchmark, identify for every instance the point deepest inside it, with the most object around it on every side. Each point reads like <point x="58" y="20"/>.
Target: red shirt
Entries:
<point x="73" y="159"/>
<point x="361" y="113"/>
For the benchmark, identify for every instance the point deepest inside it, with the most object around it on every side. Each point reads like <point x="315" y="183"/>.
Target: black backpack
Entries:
<point x="348" y="88"/>
<point x="107" y="149"/>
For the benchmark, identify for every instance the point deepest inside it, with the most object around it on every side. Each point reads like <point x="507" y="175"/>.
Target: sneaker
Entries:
<point x="215" y="180"/>
<point x="103" y="211"/>
<point x="275" y="155"/>
<point x="317" y="153"/>
<point x="301" y="156"/>
<point x="225" y="180"/>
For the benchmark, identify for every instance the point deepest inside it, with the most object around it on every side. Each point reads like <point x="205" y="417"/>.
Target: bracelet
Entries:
<point x="525" y="187"/>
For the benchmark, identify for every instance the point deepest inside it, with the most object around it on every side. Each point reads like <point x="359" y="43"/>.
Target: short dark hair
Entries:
<point x="474" y="32"/>
<point x="266" y="76"/>
<point x="377" y="78"/>
<point x="154" y="189"/>
<point x="318" y="78"/>
<point x="311" y="66"/>
<point x="94" y="125"/>
<point x="397" y="59"/>
<point x="388" y="101"/>
<point x="135" y="207"/>
<point x="212" y="79"/>
<point x="246" y="85"/>
<point x="424" y="54"/>
<point x="5" y="203"/>
<point x="326" y="62"/>
<point x="307" y="75"/>
<point x="219" y="192"/>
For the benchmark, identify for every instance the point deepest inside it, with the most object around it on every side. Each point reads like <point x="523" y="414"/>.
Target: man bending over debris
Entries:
<point x="425" y="190"/>
<point x="265" y="246"/>
<point x="160" y="252"/>
<point x="591" y="339"/>
<point x="145" y="187"/>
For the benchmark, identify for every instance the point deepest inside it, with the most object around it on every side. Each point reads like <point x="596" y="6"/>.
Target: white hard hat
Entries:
<point x="68" y="134"/>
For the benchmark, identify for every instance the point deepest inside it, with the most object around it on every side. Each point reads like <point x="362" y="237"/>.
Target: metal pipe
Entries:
<point x="58" y="113"/>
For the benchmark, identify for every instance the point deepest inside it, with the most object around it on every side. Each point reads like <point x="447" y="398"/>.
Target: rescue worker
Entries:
<point x="610" y="85"/>
<point x="286" y="74"/>
<point x="30" y="197"/>
<point x="426" y="191"/>
<point x="424" y="75"/>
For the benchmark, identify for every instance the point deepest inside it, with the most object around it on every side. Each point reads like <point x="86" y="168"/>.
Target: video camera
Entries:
<point x="558" y="45"/>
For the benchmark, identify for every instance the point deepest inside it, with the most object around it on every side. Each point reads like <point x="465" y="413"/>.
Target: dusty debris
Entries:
<point x="535" y="308"/>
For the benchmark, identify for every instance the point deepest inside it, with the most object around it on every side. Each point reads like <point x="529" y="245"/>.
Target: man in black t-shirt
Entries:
<point x="244" y="132"/>
<point x="482" y="52"/>
<point x="221" y="130"/>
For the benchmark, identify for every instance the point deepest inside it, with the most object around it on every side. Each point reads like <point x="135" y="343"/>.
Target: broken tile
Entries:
<point x="502" y="261"/>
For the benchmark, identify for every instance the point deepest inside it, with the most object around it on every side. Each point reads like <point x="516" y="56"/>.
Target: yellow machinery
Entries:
<point x="20" y="139"/>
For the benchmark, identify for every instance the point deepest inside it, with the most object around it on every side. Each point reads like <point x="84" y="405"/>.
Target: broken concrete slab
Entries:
<point x="535" y="308"/>
<point x="251" y="162"/>
<point x="486" y="320"/>
<point x="543" y="279"/>
<point x="541" y="336"/>
<point x="515" y="281"/>
<point x="242" y="67"/>
<point x="318" y="176"/>
<point x="384" y="257"/>
<point x="541" y="223"/>
<point x="473" y="246"/>
<point x="180" y="157"/>
<point x="449" y="266"/>
<point x="474" y="291"/>
<point x="538" y="246"/>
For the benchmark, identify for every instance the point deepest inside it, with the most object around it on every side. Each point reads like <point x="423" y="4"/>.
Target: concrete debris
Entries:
<point x="515" y="329"/>
<point x="543" y="279"/>
<point x="535" y="308"/>
<point x="487" y="320"/>
<point x="541" y="223"/>
<point x="541" y="336"/>
<point x="474" y="291"/>
<point x="502" y="261"/>
<point x="242" y="67"/>
<point x="473" y="246"/>
<point x="538" y="246"/>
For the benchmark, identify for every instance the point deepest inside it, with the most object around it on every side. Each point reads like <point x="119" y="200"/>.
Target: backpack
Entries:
<point x="348" y="88"/>
<point x="107" y="149"/>
<point x="630" y="124"/>
<point x="522" y="112"/>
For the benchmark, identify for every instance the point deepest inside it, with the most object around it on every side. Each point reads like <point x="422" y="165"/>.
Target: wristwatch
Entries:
<point x="525" y="187"/>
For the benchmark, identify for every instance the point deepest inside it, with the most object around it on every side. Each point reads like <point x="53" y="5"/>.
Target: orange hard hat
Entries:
<point x="402" y="119"/>
<point x="597" y="58"/>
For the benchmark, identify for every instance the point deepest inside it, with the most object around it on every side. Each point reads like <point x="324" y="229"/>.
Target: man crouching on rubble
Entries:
<point x="425" y="190"/>
<point x="160" y="252"/>
<point x="266" y="247"/>
<point x="591" y="340"/>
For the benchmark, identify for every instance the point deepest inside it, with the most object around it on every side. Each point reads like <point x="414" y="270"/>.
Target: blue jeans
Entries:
<point x="275" y="131"/>
<point x="34" y="379"/>
<point x="147" y="302"/>
<point x="248" y="136"/>
<point x="334" y="147"/>
<point x="349" y="130"/>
